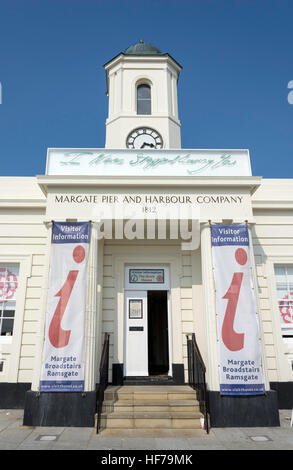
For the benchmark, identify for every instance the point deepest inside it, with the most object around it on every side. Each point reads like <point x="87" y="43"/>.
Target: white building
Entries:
<point x="149" y="284"/>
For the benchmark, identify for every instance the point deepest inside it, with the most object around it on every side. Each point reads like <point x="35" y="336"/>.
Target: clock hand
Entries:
<point x="146" y="144"/>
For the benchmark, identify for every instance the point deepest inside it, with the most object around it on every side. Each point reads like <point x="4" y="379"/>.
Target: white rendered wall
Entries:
<point x="273" y="244"/>
<point x="23" y="239"/>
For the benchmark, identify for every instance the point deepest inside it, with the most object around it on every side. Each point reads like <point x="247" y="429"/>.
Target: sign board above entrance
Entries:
<point x="109" y="162"/>
<point x="146" y="276"/>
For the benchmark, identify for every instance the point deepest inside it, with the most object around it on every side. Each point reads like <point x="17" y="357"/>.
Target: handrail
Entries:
<point x="104" y="350"/>
<point x="198" y="353"/>
<point x="103" y="369"/>
<point x="196" y="377"/>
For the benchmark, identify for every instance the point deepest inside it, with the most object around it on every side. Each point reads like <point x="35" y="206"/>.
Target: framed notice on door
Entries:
<point x="135" y="309"/>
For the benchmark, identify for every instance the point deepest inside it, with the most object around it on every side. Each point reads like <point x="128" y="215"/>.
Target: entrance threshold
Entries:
<point x="149" y="380"/>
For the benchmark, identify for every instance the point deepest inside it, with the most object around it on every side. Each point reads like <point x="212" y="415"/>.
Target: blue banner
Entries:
<point x="230" y="235"/>
<point x="69" y="232"/>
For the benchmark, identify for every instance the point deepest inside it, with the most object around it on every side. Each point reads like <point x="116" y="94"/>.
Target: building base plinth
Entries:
<point x="12" y="395"/>
<point x="60" y="409"/>
<point x="243" y="411"/>
<point x="285" y="394"/>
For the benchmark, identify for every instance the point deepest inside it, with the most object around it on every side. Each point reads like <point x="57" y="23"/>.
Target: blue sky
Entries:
<point x="233" y="89"/>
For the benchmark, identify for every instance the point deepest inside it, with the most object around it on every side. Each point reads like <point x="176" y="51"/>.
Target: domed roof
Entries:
<point x="142" y="49"/>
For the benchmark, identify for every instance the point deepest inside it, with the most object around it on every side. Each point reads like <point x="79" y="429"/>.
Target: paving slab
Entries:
<point x="151" y="432"/>
<point x="105" y="443"/>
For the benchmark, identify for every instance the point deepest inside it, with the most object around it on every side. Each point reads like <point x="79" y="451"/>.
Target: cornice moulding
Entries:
<point x="46" y="181"/>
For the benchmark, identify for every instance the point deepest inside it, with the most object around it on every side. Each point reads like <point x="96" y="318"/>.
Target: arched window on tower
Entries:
<point x="143" y="99"/>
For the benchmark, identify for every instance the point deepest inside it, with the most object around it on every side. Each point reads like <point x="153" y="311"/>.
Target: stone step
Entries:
<point x="167" y="407"/>
<point x="143" y="420"/>
<point x="151" y="415"/>
<point x="152" y="432"/>
<point x="150" y="393"/>
<point x="151" y="405"/>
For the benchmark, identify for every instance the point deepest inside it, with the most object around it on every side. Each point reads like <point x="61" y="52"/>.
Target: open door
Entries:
<point x="136" y="334"/>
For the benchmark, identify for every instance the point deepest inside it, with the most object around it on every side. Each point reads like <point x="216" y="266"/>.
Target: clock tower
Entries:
<point x="143" y="105"/>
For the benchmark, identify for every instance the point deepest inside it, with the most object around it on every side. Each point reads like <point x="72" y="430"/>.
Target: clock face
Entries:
<point x="144" y="138"/>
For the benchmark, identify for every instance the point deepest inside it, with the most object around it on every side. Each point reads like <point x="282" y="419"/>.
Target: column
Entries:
<point x="209" y="308"/>
<point x="91" y="365"/>
<point x="257" y="303"/>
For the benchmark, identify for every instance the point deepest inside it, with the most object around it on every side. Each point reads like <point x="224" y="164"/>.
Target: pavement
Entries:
<point x="15" y="436"/>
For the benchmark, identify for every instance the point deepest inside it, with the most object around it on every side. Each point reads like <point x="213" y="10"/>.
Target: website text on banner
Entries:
<point x="240" y="365"/>
<point x="63" y="355"/>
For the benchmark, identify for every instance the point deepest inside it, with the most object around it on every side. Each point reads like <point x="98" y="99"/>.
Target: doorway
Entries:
<point x="147" y="333"/>
<point x="158" y="348"/>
